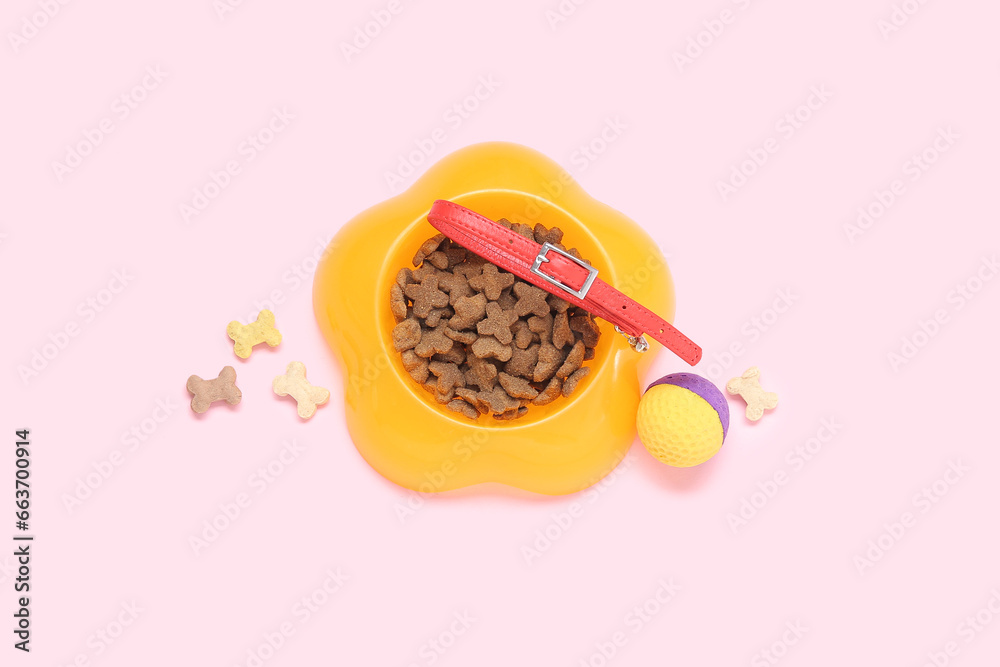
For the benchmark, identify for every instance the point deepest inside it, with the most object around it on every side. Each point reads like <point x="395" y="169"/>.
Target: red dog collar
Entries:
<point x="564" y="275"/>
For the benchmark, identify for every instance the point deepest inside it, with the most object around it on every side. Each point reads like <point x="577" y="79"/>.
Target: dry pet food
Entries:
<point x="748" y="387"/>
<point x="245" y="336"/>
<point x="293" y="383"/>
<point x="206" y="392"/>
<point x="481" y="340"/>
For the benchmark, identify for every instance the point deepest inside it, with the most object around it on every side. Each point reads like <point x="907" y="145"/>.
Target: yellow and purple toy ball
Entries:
<point x="683" y="419"/>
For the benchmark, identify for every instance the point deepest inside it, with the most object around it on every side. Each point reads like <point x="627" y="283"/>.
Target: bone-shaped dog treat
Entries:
<point x="758" y="400"/>
<point x="245" y="336"/>
<point x="206" y="392"/>
<point x="293" y="383"/>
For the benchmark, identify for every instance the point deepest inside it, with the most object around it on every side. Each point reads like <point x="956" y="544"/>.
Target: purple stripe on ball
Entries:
<point x="703" y="388"/>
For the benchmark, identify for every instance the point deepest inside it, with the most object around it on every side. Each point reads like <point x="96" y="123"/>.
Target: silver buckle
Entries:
<point x="541" y="257"/>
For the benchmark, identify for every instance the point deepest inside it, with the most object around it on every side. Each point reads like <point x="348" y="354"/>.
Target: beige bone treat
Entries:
<point x="293" y="383"/>
<point x="245" y="336"/>
<point x="206" y="392"/>
<point x="758" y="400"/>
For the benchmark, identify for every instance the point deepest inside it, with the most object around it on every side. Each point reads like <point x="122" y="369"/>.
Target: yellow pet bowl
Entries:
<point x="397" y="426"/>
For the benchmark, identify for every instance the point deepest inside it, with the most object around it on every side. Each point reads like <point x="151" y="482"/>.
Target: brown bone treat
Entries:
<point x="549" y="360"/>
<point x="497" y="400"/>
<point x="543" y="235"/>
<point x="491" y="282"/>
<point x="464" y="337"/>
<point x="589" y="354"/>
<point x="481" y="373"/>
<point x="463" y="408"/>
<point x="517" y="387"/>
<point x="511" y="414"/>
<point x="445" y="397"/>
<point x="530" y="300"/>
<point x="456" y="355"/>
<point x="415" y="366"/>
<point x="506" y="416"/>
<point x="557" y="304"/>
<point x="561" y="333"/>
<point x="572" y="251"/>
<point x="425" y="296"/>
<point x="456" y="255"/>
<point x="466" y="393"/>
<point x="429" y="246"/>
<point x="406" y="334"/>
<point x="497" y="323"/>
<point x="456" y="286"/>
<point x="433" y="341"/>
<point x="437" y="259"/>
<point x="425" y="270"/>
<point x="569" y="386"/>
<point x="586" y="326"/>
<point x="460" y="290"/>
<point x="447" y="374"/>
<point x="505" y="222"/>
<point x="573" y="361"/>
<point x="524" y="230"/>
<point x="507" y="300"/>
<point x="468" y="311"/>
<point x="551" y="392"/>
<point x="397" y="302"/>
<point x="522" y="362"/>
<point x="472" y="397"/>
<point x="435" y="316"/>
<point x="404" y="277"/>
<point x="523" y="336"/>
<point x="411" y="360"/>
<point x="488" y="347"/>
<point x="206" y="392"/>
<point x="542" y="326"/>
<point x="472" y="266"/>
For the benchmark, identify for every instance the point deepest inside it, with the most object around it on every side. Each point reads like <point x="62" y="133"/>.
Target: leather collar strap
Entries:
<point x="557" y="272"/>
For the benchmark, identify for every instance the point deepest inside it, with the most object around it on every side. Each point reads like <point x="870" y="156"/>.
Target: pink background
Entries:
<point x="898" y="428"/>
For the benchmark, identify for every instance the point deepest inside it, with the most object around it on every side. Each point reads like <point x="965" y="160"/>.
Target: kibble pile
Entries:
<point x="482" y="340"/>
